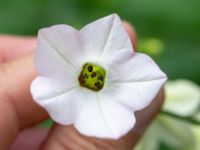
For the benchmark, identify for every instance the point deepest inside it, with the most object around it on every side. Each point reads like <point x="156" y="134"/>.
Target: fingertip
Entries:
<point x="12" y="47"/>
<point x="37" y="136"/>
<point x="132" y="33"/>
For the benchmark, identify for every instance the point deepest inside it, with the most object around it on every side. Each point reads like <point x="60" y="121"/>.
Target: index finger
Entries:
<point x="15" y="80"/>
<point x="14" y="46"/>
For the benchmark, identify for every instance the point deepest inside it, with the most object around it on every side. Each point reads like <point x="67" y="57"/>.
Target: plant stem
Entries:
<point x="184" y="118"/>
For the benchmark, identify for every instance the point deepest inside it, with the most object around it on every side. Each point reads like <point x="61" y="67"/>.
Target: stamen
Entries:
<point x="94" y="74"/>
<point x="90" y="68"/>
<point x="85" y="76"/>
<point x="98" y="85"/>
<point x="100" y="78"/>
<point x="92" y="77"/>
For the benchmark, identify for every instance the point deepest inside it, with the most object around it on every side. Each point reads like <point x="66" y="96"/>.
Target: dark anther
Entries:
<point x="85" y="76"/>
<point x="94" y="74"/>
<point x="90" y="68"/>
<point x="100" y="78"/>
<point x="98" y="85"/>
<point x="81" y="80"/>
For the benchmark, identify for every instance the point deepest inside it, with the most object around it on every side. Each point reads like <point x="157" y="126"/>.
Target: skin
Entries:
<point x="19" y="113"/>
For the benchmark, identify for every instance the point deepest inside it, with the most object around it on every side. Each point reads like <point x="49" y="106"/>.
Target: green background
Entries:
<point x="176" y="23"/>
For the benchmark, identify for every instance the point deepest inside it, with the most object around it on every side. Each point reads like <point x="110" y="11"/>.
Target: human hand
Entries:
<point x="19" y="112"/>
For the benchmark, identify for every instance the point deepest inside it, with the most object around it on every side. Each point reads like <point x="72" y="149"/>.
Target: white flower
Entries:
<point x="168" y="131"/>
<point x="103" y="106"/>
<point x="182" y="97"/>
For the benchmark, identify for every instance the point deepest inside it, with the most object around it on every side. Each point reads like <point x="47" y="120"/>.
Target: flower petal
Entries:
<point x="135" y="82"/>
<point x="134" y="95"/>
<point x="58" y="52"/>
<point x="137" y="68"/>
<point x="47" y="87"/>
<point x="64" y="107"/>
<point x="104" y="118"/>
<point x="105" y="40"/>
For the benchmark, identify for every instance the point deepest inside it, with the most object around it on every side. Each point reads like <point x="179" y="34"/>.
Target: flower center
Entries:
<point x="92" y="77"/>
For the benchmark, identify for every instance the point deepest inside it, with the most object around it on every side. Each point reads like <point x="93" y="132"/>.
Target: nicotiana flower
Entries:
<point x="168" y="131"/>
<point x="182" y="97"/>
<point x="92" y="78"/>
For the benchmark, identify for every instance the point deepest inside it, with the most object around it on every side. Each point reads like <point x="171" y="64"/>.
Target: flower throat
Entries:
<point x="92" y="77"/>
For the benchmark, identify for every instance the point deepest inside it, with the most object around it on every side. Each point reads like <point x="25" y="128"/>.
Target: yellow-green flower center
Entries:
<point x="92" y="77"/>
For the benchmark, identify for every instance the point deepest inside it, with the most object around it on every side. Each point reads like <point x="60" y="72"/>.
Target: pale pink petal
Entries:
<point x="44" y="87"/>
<point x="63" y="108"/>
<point x="103" y="118"/>
<point x="132" y="79"/>
<point x="135" y="82"/>
<point x="106" y="41"/>
<point x="58" y="52"/>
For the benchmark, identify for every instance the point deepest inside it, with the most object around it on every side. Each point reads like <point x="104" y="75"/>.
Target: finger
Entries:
<point x="16" y="106"/>
<point x="30" y="139"/>
<point x="67" y="137"/>
<point x="14" y="46"/>
<point x="132" y="34"/>
<point x="19" y="73"/>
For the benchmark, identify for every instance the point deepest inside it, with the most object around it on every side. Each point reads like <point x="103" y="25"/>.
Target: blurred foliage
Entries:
<point x="177" y="127"/>
<point x="151" y="46"/>
<point x="182" y="98"/>
<point x="175" y="23"/>
<point x="169" y="134"/>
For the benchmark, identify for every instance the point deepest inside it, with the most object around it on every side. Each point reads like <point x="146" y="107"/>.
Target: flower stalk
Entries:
<point x="188" y="119"/>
